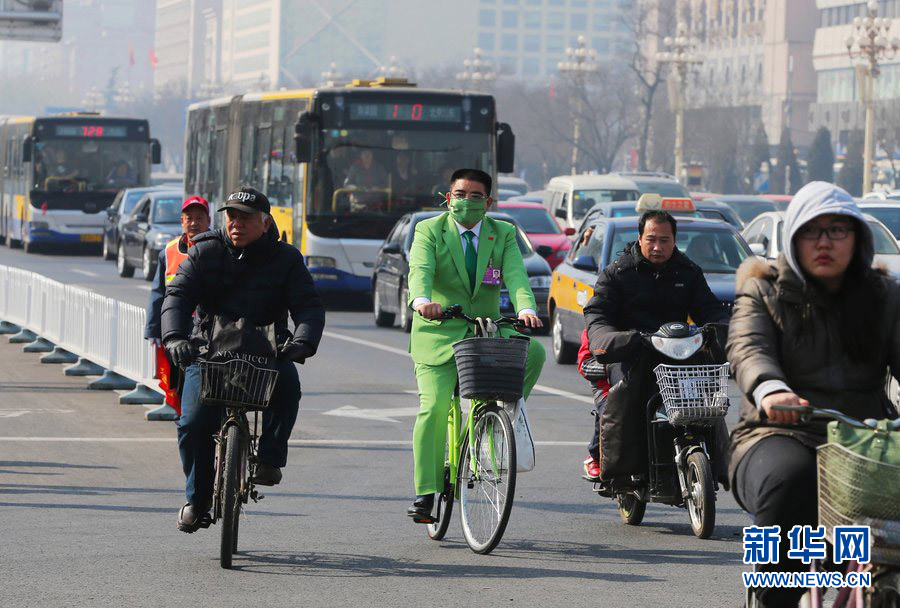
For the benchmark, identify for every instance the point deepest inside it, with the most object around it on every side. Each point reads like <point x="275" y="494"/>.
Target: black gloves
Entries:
<point x="295" y="351"/>
<point x="181" y="352"/>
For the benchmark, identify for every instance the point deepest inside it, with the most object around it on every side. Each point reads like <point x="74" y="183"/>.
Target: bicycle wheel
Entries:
<point x="487" y="479"/>
<point x="701" y="503"/>
<point x="231" y="488"/>
<point x="444" y="506"/>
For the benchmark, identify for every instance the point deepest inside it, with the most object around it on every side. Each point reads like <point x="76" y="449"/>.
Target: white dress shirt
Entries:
<point x="462" y="230"/>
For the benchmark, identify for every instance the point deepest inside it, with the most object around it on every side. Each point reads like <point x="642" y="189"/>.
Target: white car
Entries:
<point x="883" y="195"/>
<point x="885" y="211"/>
<point x="763" y="235"/>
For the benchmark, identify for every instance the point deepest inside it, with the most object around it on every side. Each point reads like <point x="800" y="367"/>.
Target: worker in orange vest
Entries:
<point x="195" y="220"/>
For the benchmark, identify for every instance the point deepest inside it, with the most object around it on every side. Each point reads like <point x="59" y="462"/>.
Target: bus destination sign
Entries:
<point x="93" y="131"/>
<point x="407" y="112"/>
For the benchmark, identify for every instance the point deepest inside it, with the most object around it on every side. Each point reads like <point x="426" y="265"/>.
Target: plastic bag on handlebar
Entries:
<point x="240" y="339"/>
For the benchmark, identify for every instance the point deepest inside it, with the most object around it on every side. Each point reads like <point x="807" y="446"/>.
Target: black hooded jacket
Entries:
<point x="632" y="295"/>
<point x="263" y="282"/>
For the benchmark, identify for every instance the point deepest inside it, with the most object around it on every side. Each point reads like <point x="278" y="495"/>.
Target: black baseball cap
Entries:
<point x="247" y="199"/>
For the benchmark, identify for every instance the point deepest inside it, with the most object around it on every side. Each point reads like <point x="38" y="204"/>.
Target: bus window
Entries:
<point x="356" y="169"/>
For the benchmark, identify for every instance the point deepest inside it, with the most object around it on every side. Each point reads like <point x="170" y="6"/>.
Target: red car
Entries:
<point x="541" y="229"/>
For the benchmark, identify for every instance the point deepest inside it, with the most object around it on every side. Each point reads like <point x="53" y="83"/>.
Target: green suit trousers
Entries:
<point x="436" y="385"/>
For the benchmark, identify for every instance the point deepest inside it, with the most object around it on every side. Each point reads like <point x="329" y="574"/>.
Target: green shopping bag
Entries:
<point x="880" y="444"/>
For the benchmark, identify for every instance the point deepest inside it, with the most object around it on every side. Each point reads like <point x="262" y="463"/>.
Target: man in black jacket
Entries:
<point x="652" y="283"/>
<point x="242" y="271"/>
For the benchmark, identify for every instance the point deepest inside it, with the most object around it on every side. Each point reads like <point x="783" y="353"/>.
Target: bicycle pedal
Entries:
<point x="256" y="496"/>
<point x="205" y="521"/>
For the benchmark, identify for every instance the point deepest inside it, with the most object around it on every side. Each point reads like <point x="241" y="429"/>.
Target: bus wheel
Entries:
<point x="11" y="242"/>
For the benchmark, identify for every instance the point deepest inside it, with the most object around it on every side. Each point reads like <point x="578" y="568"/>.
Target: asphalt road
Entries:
<point x="89" y="493"/>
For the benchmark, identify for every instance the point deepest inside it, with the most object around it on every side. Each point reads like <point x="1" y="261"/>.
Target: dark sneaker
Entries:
<point x="267" y="475"/>
<point x="592" y="469"/>
<point x="421" y="508"/>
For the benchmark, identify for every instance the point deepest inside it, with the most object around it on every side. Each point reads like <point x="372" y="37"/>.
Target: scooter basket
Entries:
<point x="856" y="490"/>
<point x="237" y="384"/>
<point x="491" y="368"/>
<point x="693" y="393"/>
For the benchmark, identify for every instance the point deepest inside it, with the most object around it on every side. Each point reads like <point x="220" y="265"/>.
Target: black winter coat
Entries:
<point x="632" y="296"/>
<point x="263" y="283"/>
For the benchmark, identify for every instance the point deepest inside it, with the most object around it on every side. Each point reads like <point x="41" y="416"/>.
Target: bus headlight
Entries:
<point x="539" y="282"/>
<point x="320" y="261"/>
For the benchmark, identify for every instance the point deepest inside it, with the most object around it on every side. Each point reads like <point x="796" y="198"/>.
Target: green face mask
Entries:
<point x="466" y="211"/>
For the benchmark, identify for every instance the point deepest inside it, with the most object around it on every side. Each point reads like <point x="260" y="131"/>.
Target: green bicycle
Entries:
<point x="480" y="466"/>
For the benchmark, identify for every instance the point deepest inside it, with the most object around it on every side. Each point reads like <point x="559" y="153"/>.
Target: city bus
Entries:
<point x="340" y="165"/>
<point x="59" y="173"/>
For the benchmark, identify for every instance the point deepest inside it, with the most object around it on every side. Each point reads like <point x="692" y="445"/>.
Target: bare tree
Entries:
<point x="647" y="24"/>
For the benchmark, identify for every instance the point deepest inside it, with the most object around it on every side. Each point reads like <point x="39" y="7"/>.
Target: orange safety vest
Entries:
<point x="174" y="257"/>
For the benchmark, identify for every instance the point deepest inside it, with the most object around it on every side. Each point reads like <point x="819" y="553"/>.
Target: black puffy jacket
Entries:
<point x="632" y="295"/>
<point x="263" y="282"/>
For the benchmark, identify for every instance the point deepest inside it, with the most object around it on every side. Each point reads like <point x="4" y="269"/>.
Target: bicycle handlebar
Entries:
<point x="808" y="413"/>
<point x="455" y="312"/>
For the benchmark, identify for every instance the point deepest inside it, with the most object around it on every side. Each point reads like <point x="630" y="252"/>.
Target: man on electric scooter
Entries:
<point x="650" y="284"/>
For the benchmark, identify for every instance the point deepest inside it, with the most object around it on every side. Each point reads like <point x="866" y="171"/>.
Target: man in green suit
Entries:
<point x="453" y="260"/>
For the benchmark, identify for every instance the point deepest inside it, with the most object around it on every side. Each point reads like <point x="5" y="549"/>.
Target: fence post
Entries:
<point x="110" y="380"/>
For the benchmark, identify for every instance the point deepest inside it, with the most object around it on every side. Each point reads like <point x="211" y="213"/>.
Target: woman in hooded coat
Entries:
<point x="818" y="326"/>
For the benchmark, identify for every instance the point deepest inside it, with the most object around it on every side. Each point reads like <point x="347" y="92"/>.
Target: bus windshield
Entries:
<point x="90" y="165"/>
<point x="363" y="180"/>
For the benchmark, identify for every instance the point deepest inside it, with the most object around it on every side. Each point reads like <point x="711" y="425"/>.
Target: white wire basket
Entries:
<point x="236" y="383"/>
<point x="692" y="393"/>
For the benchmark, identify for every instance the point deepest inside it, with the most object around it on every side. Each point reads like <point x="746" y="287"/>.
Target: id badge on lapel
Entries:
<point x="492" y="276"/>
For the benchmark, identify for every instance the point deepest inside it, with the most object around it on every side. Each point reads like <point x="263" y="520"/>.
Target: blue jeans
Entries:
<point x="198" y="424"/>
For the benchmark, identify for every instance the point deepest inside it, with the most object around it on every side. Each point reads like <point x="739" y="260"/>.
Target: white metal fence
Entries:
<point x="103" y="330"/>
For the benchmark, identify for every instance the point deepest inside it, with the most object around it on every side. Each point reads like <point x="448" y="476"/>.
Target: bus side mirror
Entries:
<point x="155" y="151"/>
<point x="27" y="145"/>
<point x="303" y="136"/>
<point x="506" y="148"/>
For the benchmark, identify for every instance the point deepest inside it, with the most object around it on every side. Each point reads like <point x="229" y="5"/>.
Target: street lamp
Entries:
<point x="871" y="44"/>
<point x="683" y="56"/>
<point x="580" y="61"/>
<point x="392" y="70"/>
<point x="330" y="76"/>
<point x="476" y="71"/>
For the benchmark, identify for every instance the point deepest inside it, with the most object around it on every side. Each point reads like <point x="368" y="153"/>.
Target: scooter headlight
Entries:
<point x="678" y="348"/>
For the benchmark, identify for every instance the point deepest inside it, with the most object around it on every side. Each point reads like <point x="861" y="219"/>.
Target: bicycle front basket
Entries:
<point x="236" y="383"/>
<point x="856" y="490"/>
<point x="491" y="368"/>
<point x="693" y="393"/>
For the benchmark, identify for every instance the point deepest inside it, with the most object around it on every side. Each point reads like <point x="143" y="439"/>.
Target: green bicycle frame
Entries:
<point x="454" y="439"/>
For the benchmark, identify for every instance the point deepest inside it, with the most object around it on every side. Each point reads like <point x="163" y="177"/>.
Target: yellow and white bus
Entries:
<point x="58" y="174"/>
<point x="340" y="165"/>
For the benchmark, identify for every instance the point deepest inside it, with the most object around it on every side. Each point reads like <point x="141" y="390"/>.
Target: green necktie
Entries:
<point x="471" y="257"/>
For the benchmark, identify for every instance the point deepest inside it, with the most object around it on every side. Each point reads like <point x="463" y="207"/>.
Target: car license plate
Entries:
<point x="90" y="238"/>
<point x="504" y="302"/>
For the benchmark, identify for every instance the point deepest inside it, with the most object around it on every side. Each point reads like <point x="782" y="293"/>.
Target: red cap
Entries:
<point x="195" y="200"/>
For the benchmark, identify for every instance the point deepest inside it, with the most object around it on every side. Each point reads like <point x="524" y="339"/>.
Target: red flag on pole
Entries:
<point x="153" y="59"/>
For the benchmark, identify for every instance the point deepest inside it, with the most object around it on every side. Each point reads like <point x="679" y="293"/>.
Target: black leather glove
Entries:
<point x="181" y="352"/>
<point x="295" y="351"/>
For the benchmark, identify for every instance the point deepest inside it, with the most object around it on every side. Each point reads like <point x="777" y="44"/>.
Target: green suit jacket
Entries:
<point x="437" y="270"/>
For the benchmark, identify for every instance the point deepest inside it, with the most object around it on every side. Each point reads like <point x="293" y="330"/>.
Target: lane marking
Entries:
<point x="144" y="286"/>
<point x="15" y="413"/>
<point x="384" y="415"/>
<point x="397" y="351"/>
<point x="292" y="442"/>
<point x="86" y="273"/>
